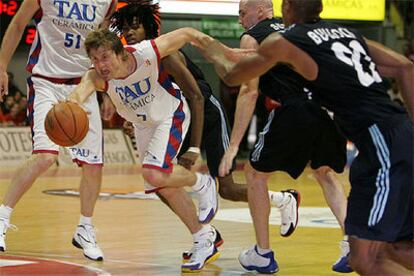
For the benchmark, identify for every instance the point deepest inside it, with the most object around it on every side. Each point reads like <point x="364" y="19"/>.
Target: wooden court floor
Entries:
<point x="142" y="237"/>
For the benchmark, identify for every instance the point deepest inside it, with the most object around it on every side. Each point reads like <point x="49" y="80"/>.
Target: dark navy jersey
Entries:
<point x="348" y="82"/>
<point x="280" y="82"/>
<point x="198" y="76"/>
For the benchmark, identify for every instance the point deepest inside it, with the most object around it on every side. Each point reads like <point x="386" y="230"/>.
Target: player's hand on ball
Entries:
<point x="66" y="124"/>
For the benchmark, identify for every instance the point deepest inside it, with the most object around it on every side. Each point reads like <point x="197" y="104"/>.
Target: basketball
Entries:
<point x="66" y="124"/>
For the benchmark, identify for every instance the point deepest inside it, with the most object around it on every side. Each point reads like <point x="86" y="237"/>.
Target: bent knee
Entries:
<point x="322" y="171"/>
<point x="226" y="192"/>
<point x="44" y="160"/>
<point x="364" y="263"/>
<point x="92" y="170"/>
<point x="153" y="177"/>
<point x="361" y="266"/>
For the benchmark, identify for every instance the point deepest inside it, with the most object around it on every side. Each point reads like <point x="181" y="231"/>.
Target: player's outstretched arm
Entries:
<point x="397" y="66"/>
<point x="272" y="50"/>
<point x="12" y="38"/>
<point x="173" y="41"/>
<point x="246" y="103"/>
<point x="176" y="67"/>
<point x="90" y="83"/>
<point x="107" y="21"/>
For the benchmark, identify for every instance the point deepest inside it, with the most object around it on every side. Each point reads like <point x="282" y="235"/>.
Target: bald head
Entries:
<point x="252" y="12"/>
<point x="265" y="3"/>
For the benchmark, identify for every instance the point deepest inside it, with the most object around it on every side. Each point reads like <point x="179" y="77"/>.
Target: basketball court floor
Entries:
<point x="140" y="236"/>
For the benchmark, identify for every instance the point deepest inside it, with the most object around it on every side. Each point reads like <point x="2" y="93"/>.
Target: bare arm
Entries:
<point x="173" y="41"/>
<point x="107" y="20"/>
<point x="176" y="67"/>
<point x="246" y="102"/>
<point x="392" y="64"/>
<point x="257" y="63"/>
<point x="11" y="39"/>
<point x="90" y="83"/>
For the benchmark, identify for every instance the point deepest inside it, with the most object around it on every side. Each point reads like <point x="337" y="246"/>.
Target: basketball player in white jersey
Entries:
<point x="56" y="62"/>
<point x="143" y="94"/>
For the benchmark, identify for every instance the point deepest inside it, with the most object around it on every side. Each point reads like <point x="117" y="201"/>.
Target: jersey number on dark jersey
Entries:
<point x="355" y="55"/>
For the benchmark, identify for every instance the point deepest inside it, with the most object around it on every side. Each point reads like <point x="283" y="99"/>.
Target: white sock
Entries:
<point x="277" y="198"/>
<point x="204" y="229"/>
<point x="262" y="251"/>
<point x="198" y="186"/>
<point x="5" y="211"/>
<point x="85" y="220"/>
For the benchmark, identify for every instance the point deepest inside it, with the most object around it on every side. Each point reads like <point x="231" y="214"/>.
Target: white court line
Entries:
<point x="100" y="272"/>
<point x="103" y="272"/>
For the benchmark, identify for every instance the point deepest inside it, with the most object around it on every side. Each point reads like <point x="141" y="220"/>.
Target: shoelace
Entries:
<point x="213" y="238"/>
<point x="90" y="232"/>
<point x="344" y="246"/>
<point x="251" y="251"/>
<point x="283" y="205"/>
<point x="8" y="225"/>
<point x="196" y="250"/>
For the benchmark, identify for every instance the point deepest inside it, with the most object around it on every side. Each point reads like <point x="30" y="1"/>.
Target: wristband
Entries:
<point x="194" y="150"/>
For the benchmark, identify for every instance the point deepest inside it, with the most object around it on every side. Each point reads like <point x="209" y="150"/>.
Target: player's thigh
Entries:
<point x="330" y="146"/>
<point x="43" y="95"/>
<point x="382" y="195"/>
<point x="285" y="143"/>
<point x="90" y="150"/>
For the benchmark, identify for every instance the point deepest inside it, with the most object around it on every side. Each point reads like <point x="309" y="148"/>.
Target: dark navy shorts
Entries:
<point x="380" y="204"/>
<point x="216" y="133"/>
<point x="296" y="134"/>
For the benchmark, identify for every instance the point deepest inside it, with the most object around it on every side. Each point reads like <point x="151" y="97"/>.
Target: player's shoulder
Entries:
<point x="295" y="30"/>
<point x="265" y="27"/>
<point x="143" y="48"/>
<point x="138" y="46"/>
<point x="275" y="23"/>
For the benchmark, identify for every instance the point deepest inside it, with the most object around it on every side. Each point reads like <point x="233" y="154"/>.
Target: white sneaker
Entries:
<point x="203" y="252"/>
<point x="207" y="199"/>
<point x="289" y="212"/>
<point x="342" y="264"/>
<point x="84" y="238"/>
<point x="251" y="260"/>
<point x="215" y="236"/>
<point x="4" y="225"/>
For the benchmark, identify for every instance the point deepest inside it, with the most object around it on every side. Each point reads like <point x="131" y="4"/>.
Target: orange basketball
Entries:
<point x="66" y="124"/>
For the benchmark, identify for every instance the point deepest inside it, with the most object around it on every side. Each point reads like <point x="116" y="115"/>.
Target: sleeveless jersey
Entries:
<point x="348" y="82"/>
<point x="198" y="76"/>
<point x="147" y="96"/>
<point x="62" y="26"/>
<point x="280" y="82"/>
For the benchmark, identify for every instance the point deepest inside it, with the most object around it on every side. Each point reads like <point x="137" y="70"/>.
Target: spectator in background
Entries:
<point x="16" y="116"/>
<point x="7" y="104"/>
<point x="13" y="109"/>
<point x="20" y="101"/>
<point x="13" y="89"/>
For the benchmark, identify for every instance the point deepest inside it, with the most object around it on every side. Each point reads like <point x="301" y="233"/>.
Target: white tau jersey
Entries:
<point x="147" y="96"/>
<point x="62" y="26"/>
